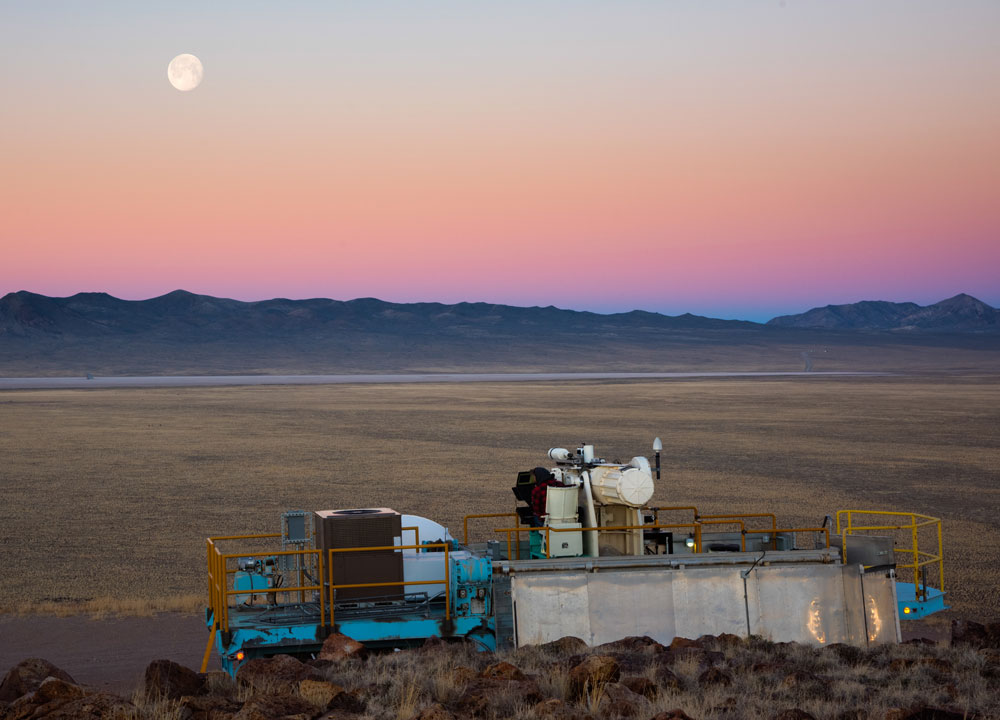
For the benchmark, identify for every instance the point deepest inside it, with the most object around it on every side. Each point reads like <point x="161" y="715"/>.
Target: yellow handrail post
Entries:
<point x="447" y="585"/>
<point x="940" y="557"/>
<point x="331" y="595"/>
<point x="319" y="574"/>
<point x="208" y="649"/>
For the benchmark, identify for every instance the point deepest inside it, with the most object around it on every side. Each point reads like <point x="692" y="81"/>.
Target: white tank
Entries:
<point x="621" y="486"/>
<point x="561" y="504"/>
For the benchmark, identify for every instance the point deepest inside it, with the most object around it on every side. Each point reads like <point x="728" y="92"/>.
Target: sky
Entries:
<point x="731" y="159"/>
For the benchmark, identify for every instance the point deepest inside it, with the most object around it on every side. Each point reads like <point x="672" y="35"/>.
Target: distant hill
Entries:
<point x="962" y="313"/>
<point x="184" y="315"/>
<point x="184" y="333"/>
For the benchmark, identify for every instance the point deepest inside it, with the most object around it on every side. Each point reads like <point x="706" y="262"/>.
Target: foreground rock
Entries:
<point x="208" y="707"/>
<point x="26" y="676"/>
<point x="975" y="635"/>
<point x="167" y="679"/>
<point x="56" y="699"/>
<point x="337" y="648"/>
<point x="591" y="675"/>
<point x="281" y="673"/>
<point x="271" y="707"/>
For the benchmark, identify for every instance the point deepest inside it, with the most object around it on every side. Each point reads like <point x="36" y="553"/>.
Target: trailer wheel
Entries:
<point x="482" y="639"/>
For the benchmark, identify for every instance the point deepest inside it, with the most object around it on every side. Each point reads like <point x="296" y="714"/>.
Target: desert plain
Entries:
<point x="109" y="494"/>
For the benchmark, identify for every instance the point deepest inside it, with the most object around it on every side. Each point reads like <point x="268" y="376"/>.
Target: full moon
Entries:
<point x="185" y="72"/>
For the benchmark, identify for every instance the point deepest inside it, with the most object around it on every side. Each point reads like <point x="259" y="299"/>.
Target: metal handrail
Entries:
<point x="547" y="529"/>
<point x="774" y="519"/>
<point x="219" y="591"/>
<point x="416" y="534"/>
<point x="226" y="593"/>
<point x="465" y="522"/>
<point x="403" y="583"/>
<point x="666" y="508"/>
<point x="917" y="521"/>
<point x="777" y="531"/>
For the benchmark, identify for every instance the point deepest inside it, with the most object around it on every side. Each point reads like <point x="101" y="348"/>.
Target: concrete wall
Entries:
<point x="790" y="598"/>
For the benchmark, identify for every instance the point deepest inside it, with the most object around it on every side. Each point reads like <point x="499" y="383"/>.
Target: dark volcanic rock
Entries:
<point x="503" y="670"/>
<point x="56" y="699"/>
<point x="929" y="713"/>
<point x="337" y="648"/>
<point x="556" y="709"/>
<point x="715" y="676"/>
<point x="320" y="692"/>
<point x="848" y="654"/>
<point x="667" y="678"/>
<point x="675" y="714"/>
<point x="593" y="672"/>
<point x="794" y="714"/>
<point x="271" y="707"/>
<point x="642" y="686"/>
<point x="208" y="707"/>
<point x="434" y="712"/>
<point x="682" y="642"/>
<point x="165" y="678"/>
<point x="568" y="645"/>
<point x="704" y="658"/>
<point x="478" y="697"/>
<point x="279" y="672"/>
<point x="26" y="676"/>
<point x="620" y="700"/>
<point x="636" y="644"/>
<point x="976" y="635"/>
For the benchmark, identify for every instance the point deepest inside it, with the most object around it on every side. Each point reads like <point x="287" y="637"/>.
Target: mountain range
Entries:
<point x="962" y="313"/>
<point x="185" y="333"/>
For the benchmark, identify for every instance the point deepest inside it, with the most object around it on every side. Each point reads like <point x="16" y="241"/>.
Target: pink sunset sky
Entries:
<point x="729" y="159"/>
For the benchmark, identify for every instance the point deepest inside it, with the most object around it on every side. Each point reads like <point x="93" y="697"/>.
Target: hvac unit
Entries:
<point x="364" y="527"/>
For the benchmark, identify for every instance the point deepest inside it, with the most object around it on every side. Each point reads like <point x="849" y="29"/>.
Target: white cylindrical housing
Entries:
<point x="559" y="454"/>
<point x="629" y="486"/>
<point x="588" y="453"/>
<point x="561" y="504"/>
<point x="642" y="463"/>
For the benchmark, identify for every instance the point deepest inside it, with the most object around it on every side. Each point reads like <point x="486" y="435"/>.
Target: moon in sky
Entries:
<point x="185" y="72"/>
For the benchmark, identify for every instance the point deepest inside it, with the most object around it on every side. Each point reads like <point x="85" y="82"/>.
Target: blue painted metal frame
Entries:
<point x="911" y="607"/>
<point x="256" y="641"/>
<point x="297" y="629"/>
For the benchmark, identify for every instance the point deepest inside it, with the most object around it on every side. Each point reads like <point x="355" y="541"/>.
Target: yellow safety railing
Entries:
<point x="516" y="531"/>
<point x="919" y="559"/>
<point x="742" y="516"/>
<point x="220" y="590"/>
<point x="696" y="528"/>
<point x="465" y="522"/>
<point x="777" y="531"/>
<point x="447" y="571"/>
<point x="667" y="508"/>
<point x="416" y="533"/>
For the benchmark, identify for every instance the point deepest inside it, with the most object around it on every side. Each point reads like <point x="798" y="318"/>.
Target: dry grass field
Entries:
<point x="110" y="493"/>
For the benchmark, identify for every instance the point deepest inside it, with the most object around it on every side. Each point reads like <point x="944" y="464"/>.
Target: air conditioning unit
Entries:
<point x="361" y="528"/>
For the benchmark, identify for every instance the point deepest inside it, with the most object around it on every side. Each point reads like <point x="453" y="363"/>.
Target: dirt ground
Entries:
<point x="109" y="654"/>
<point x="110" y="493"/>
